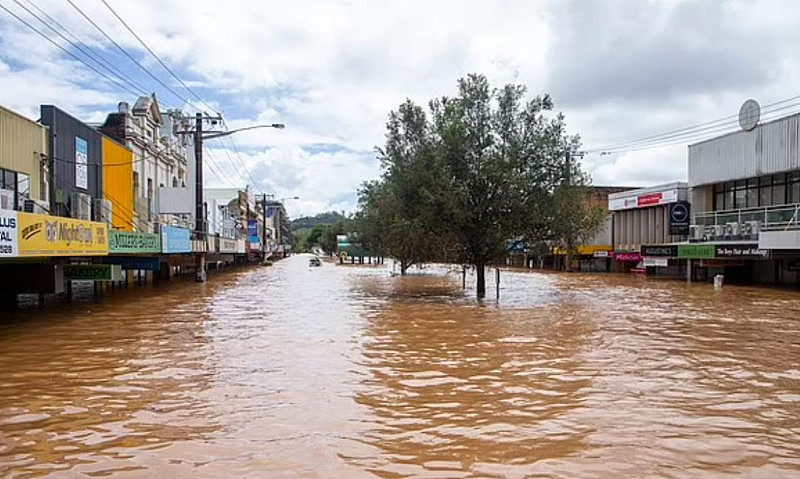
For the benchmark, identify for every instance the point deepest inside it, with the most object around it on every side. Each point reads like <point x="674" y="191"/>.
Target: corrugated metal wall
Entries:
<point x="633" y="228"/>
<point x="64" y="129"/>
<point x="118" y="183"/>
<point x="769" y="148"/>
<point x="22" y="142"/>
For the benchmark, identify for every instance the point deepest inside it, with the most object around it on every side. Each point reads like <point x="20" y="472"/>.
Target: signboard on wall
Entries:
<point x="228" y="245"/>
<point x="175" y="240"/>
<point x="662" y="262"/>
<point x="44" y="235"/>
<point x="663" y="251"/>
<point x="628" y="257"/>
<point x="740" y="251"/>
<point x="133" y="242"/>
<point x="81" y="163"/>
<point x="252" y="231"/>
<point x="679" y="218"/>
<point x="9" y="243"/>
<point x="642" y="201"/>
<point x="93" y="272"/>
<point x="696" y="251"/>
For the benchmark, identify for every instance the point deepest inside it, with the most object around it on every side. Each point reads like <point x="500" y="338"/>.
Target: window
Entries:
<point x="793" y="187"/>
<point x="740" y="198"/>
<point x="765" y="195"/>
<point x="174" y="182"/>
<point x="136" y="183"/>
<point x="778" y="194"/>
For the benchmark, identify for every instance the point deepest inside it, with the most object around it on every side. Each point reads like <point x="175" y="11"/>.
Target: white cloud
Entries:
<point x="331" y="71"/>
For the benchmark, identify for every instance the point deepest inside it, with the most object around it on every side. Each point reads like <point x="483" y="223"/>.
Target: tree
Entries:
<point x="578" y="218"/>
<point x="398" y="215"/>
<point x="502" y="157"/>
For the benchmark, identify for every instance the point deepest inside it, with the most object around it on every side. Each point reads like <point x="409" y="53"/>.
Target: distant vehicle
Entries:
<point x="314" y="262"/>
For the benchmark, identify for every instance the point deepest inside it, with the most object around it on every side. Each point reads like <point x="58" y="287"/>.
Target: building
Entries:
<point x="280" y="226"/>
<point x="161" y="152"/>
<point x="24" y="165"/>
<point x="745" y="193"/>
<point x="76" y="166"/>
<point x="118" y="185"/>
<point x="642" y="218"/>
<point x="223" y="214"/>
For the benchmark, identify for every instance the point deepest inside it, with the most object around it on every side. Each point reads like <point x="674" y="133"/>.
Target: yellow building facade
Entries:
<point x="118" y="183"/>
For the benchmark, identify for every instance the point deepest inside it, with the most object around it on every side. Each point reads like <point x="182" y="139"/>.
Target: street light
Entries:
<point x="199" y="137"/>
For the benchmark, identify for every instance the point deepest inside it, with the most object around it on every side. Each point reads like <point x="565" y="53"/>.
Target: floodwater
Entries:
<point x="348" y="372"/>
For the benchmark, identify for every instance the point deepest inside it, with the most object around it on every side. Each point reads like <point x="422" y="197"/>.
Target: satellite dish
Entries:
<point x="749" y="114"/>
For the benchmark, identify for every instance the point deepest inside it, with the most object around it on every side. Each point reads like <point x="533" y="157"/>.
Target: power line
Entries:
<point x="91" y="67"/>
<point x="125" y="52"/>
<point x="691" y="131"/>
<point x="167" y="68"/>
<point x="239" y="156"/>
<point x="79" y="45"/>
<point x="694" y="137"/>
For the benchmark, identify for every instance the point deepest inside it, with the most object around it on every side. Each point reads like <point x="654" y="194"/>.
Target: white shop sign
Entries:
<point x="663" y="262"/>
<point x="9" y="238"/>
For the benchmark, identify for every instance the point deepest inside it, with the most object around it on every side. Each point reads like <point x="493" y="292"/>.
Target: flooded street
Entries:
<point x="348" y="372"/>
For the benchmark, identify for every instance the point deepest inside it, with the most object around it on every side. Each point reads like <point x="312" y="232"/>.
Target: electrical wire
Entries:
<point x="146" y="47"/>
<point x="131" y="58"/>
<point x="91" y="67"/>
<point x="79" y="45"/>
<point x="693" y="131"/>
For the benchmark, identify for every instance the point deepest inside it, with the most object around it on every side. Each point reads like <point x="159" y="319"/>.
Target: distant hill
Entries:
<point x="328" y="218"/>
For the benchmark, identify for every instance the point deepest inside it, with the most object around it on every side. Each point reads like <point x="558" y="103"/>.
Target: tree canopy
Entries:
<point x="474" y="171"/>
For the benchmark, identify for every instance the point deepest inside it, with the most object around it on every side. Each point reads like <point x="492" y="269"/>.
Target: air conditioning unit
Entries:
<point x="80" y="206"/>
<point x="732" y="230"/>
<point x="36" y="206"/>
<point x="719" y="232"/>
<point x="102" y="211"/>
<point x="696" y="232"/>
<point x="6" y="199"/>
<point x="752" y="229"/>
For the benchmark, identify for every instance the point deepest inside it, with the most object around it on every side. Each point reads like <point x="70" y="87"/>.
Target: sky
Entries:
<point x="331" y="71"/>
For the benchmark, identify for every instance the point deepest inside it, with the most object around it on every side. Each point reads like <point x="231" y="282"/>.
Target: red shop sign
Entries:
<point x="650" y="199"/>
<point x="628" y="257"/>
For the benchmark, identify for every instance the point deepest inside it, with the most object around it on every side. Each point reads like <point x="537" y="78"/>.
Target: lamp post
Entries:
<point x="199" y="137"/>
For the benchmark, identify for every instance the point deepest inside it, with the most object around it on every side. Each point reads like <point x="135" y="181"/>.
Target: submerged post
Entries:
<point x="497" y="281"/>
<point x="463" y="277"/>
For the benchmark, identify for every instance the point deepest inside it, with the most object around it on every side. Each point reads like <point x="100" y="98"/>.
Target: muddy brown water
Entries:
<point x="348" y="372"/>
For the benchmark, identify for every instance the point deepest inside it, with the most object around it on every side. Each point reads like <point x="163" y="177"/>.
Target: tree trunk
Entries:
<point x="403" y="267"/>
<point x="480" y="267"/>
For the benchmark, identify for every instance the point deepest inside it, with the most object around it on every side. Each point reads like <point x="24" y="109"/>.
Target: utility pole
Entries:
<point x="263" y="227"/>
<point x="200" y="230"/>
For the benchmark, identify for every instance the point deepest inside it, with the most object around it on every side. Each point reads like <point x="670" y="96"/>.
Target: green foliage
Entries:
<point x="483" y="167"/>
<point x="328" y="218"/>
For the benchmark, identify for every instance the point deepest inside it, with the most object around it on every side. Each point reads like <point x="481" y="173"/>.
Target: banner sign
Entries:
<point x="8" y="234"/>
<point x="663" y="251"/>
<point x="679" y="218"/>
<point x="43" y="235"/>
<point x="696" y="251"/>
<point x="133" y="242"/>
<point x="252" y="231"/>
<point x="175" y="240"/>
<point x="740" y="251"/>
<point x="602" y="254"/>
<point x="663" y="262"/>
<point x="93" y="272"/>
<point x="134" y="262"/>
<point x="81" y="163"/>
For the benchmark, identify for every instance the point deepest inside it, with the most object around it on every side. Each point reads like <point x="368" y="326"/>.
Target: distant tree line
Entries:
<point x="469" y="176"/>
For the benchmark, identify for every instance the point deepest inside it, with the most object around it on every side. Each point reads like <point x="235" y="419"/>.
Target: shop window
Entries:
<point x="778" y="194"/>
<point x="719" y="201"/>
<point x="740" y="198"/>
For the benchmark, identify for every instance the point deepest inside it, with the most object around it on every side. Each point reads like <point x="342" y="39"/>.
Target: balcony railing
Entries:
<point x="769" y="217"/>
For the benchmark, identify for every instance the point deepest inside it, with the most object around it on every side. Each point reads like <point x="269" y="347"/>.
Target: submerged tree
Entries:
<point x="484" y="169"/>
<point x="397" y="216"/>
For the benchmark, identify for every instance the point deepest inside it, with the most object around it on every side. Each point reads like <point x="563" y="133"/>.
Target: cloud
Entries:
<point x="331" y="71"/>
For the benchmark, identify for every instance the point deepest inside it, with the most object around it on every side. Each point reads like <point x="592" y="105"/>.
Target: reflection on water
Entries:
<point x="349" y="372"/>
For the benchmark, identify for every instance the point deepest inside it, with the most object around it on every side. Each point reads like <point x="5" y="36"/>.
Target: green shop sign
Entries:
<point x="93" y="272"/>
<point x="696" y="251"/>
<point x="132" y="242"/>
